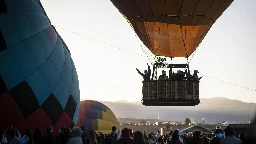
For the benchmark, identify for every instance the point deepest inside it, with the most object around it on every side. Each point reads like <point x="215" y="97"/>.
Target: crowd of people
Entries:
<point x="72" y="135"/>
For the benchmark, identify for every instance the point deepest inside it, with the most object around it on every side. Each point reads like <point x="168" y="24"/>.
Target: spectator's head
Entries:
<point x="83" y="128"/>
<point x="229" y="131"/>
<point x="196" y="71"/>
<point x="67" y="131"/>
<point x="50" y="129"/>
<point x="175" y="135"/>
<point x="196" y="135"/>
<point x="125" y="132"/>
<point x="113" y="129"/>
<point x="138" y="138"/>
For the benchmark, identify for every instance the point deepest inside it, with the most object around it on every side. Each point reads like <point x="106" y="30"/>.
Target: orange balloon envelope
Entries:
<point x="171" y="28"/>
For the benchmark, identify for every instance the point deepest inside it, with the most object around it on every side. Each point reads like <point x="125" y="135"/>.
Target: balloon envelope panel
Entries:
<point x="96" y="116"/>
<point x="38" y="80"/>
<point x="172" y="28"/>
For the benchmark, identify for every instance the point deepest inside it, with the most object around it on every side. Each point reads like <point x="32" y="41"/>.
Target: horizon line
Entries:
<point x="139" y="101"/>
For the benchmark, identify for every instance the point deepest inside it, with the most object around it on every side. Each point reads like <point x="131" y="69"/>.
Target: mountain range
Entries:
<point x="214" y="110"/>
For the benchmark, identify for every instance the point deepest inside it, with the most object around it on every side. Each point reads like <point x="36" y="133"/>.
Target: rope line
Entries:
<point x="229" y="83"/>
<point x="149" y="59"/>
<point x="99" y="41"/>
<point x="143" y="50"/>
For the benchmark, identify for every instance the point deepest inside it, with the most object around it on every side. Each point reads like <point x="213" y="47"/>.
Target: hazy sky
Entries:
<point x="228" y="51"/>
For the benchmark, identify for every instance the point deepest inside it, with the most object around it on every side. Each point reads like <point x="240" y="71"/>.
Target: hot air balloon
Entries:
<point x="38" y="79"/>
<point x="96" y="116"/>
<point x="171" y="28"/>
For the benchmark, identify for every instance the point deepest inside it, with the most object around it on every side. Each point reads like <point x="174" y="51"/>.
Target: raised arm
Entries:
<point x="149" y="70"/>
<point x="140" y="72"/>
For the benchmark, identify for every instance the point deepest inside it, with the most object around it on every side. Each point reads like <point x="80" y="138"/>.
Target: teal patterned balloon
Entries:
<point x="38" y="79"/>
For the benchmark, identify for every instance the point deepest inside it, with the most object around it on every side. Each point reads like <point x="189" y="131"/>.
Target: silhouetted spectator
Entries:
<point x="37" y="136"/>
<point x="125" y="137"/>
<point x="112" y="137"/>
<point x="49" y="137"/>
<point x="176" y="138"/>
<point x="219" y="135"/>
<point x="230" y="137"/>
<point x="65" y="136"/>
<point x="139" y="138"/>
<point x="146" y="75"/>
<point x="76" y="137"/>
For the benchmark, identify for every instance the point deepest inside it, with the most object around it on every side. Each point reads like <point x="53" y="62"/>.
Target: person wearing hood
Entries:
<point x="76" y="137"/>
<point x="125" y="137"/>
<point x="219" y="135"/>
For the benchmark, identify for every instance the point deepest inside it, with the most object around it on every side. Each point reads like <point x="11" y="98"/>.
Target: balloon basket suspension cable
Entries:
<point x="139" y="40"/>
<point x="143" y="50"/>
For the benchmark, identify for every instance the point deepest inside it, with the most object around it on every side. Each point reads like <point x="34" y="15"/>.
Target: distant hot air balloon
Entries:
<point x="171" y="28"/>
<point x="96" y="116"/>
<point x="38" y="80"/>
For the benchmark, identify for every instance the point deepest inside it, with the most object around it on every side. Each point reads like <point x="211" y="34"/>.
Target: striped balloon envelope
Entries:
<point x="38" y="79"/>
<point x="96" y="116"/>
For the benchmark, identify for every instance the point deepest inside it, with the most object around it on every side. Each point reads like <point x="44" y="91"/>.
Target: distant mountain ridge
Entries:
<point x="213" y="109"/>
